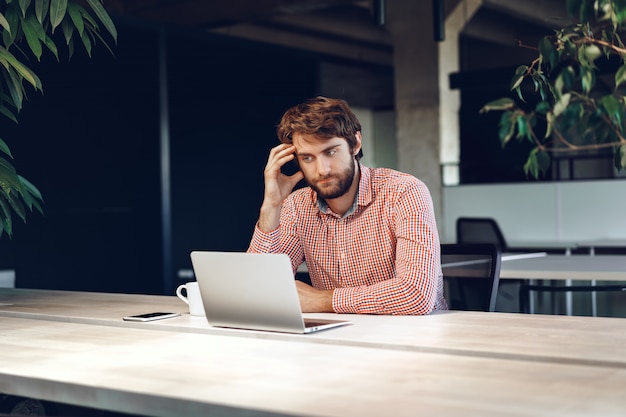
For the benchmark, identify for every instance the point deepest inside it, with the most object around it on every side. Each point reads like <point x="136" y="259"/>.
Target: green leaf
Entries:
<point x="562" y="104"/>
<point x="5" y="111"/>
<point x="13" y="18"/>
<point x="5" y="23"/>
<point x="27" y="185"/>
<point x="565" y="80"/>
<point x="549" y="125"/>
<point x="619" y="157"/>
<point x="21" y="69"/>
<point x="548" y="53"/>
<point x="41" y="10"/>
<point x="520" y="70"/>
<point x="8" y="177"/>
<point x="57" y="12"/>
<point x="16" y="89"/>
<point x="516" y="81"/>
<point x="75" y="15"/>
<point x="507" y="127"/>
<point x="5" y="148"/>
<point x="620" y="76"/>
<point x="51" y="46"/>
<point x="611" y="106"/>
<point x="6" y="216"/>
<point x="18" y="207"/>
<point x="543" y="107"/>
<point x="523" y="131"/>
<point x="587" y="79"/>
<point x="86" y="42"/>
<point x="68" y="31"/>
<point x="24" y="6"/>
<point x="499" y="104"/>
<point x="104" y="17"/>
<point x="537" y="163"/>
<point x="32" y="38"/>
<point x="620" y="12"/>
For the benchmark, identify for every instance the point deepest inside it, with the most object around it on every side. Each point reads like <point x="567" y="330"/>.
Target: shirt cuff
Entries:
<point x="263" y="242"/>
<point x="344" y="300"/>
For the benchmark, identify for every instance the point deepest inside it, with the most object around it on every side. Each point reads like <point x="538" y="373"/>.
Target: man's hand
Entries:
<point x="313" y="300"/>
<point x="277" y="186"/>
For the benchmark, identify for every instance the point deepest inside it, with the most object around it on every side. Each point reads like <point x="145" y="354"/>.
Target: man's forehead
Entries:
<point x="302" y="141"/>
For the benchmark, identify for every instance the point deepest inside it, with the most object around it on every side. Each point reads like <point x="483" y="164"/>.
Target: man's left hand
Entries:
<point x="313" y="300"/>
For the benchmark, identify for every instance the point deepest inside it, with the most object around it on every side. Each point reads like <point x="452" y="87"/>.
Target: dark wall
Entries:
<point x="91" y="145"/>
<point x="486" y="72"/>
<point x="225" y="102"/>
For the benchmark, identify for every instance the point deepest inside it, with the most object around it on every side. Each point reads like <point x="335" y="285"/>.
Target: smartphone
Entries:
<point x="151" y="316"/>
<point x="291" y="167"/>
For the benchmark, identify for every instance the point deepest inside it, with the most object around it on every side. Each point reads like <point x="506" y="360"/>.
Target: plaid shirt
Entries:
<point x="382" y="257"/>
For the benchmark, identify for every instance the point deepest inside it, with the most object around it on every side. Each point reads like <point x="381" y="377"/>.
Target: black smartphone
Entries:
<point x="151" y="316"/>
<point x="291" y="167"/>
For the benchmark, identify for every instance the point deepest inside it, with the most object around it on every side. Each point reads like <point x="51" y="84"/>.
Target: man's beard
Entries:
<point x="344" y="183"/>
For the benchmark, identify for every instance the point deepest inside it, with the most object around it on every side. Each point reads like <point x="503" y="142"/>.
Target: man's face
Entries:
<point x="328" y="165"/>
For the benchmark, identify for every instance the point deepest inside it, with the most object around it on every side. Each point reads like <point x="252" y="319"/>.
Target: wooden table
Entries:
<point x="576" y="340"/>
<point x="167" y="373"/>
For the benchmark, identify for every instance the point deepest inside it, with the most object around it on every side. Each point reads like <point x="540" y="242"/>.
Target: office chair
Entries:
<point x="479" y="230"/>
<point x="471" y="274"/>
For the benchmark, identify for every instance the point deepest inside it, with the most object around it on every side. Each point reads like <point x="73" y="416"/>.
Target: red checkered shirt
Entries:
<point x="380" y="258"/>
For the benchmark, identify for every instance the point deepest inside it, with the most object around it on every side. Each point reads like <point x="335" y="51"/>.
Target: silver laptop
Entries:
<point x="252" y="291"/>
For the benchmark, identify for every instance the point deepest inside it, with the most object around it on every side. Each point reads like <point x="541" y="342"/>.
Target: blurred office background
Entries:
<point x="159" y="150"/>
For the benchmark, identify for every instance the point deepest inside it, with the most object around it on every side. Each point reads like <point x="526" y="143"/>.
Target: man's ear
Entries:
<point x="357" y="147"/>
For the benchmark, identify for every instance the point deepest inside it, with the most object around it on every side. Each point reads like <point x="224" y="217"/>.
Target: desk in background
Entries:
<point x="568" y="268"/>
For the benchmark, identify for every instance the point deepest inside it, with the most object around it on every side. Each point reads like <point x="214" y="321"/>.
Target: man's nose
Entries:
<point x="323" y="167"/>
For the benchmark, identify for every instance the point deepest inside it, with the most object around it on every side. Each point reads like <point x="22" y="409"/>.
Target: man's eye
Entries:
<point x="331" y="152"/>
<point x="306" y="159"/>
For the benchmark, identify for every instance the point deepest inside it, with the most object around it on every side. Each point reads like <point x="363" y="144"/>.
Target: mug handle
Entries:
<point x="179" y="293"/>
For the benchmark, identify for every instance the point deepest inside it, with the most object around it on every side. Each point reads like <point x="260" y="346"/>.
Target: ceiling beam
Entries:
<point x="329" y="46"/>
<point x="203" y="13"/>
<point x="548" y="13"/>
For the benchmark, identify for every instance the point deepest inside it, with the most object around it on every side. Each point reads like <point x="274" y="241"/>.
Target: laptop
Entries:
<point x="252" y="291"/>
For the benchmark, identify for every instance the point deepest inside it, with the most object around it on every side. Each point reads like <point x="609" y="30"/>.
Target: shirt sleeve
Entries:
<point x="414" y="288"/>
<point x="283" y="239"/>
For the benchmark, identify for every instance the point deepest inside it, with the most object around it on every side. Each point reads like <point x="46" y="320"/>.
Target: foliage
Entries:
<point x="28" y="28"/>
<point x="576" y="109"/>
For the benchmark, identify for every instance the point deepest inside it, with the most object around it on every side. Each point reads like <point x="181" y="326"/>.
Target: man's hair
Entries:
<point x="323" y="118"/>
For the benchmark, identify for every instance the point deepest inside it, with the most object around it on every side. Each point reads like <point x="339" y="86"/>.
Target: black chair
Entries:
<point x="471" y="274"/>
<point x="479" y="230"/>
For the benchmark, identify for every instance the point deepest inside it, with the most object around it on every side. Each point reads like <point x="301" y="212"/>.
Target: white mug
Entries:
<point x="191" y="297"/>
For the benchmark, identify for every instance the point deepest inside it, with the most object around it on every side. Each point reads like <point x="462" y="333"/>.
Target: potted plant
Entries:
<point x="29" y="29"/>
<point x="572" y="111"/>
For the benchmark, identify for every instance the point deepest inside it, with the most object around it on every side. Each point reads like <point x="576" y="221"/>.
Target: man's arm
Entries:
<point x="313" y="300"/>
<point x="414" y="287"/>
<point x="277" y="186"/>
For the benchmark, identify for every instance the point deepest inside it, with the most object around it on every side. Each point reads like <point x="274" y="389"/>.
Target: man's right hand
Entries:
<point x="277" y="186"/>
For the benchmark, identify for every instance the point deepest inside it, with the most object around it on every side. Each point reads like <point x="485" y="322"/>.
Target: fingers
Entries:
<point x="295" y="178"/>
<point x="280" y="155"/>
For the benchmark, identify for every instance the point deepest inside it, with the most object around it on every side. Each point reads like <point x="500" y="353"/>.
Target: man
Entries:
<point x="368" y="236"/>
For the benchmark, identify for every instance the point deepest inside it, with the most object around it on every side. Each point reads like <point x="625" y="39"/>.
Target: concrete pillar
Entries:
<point x="428" y="131"/>
<point x="416" y="66"/>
